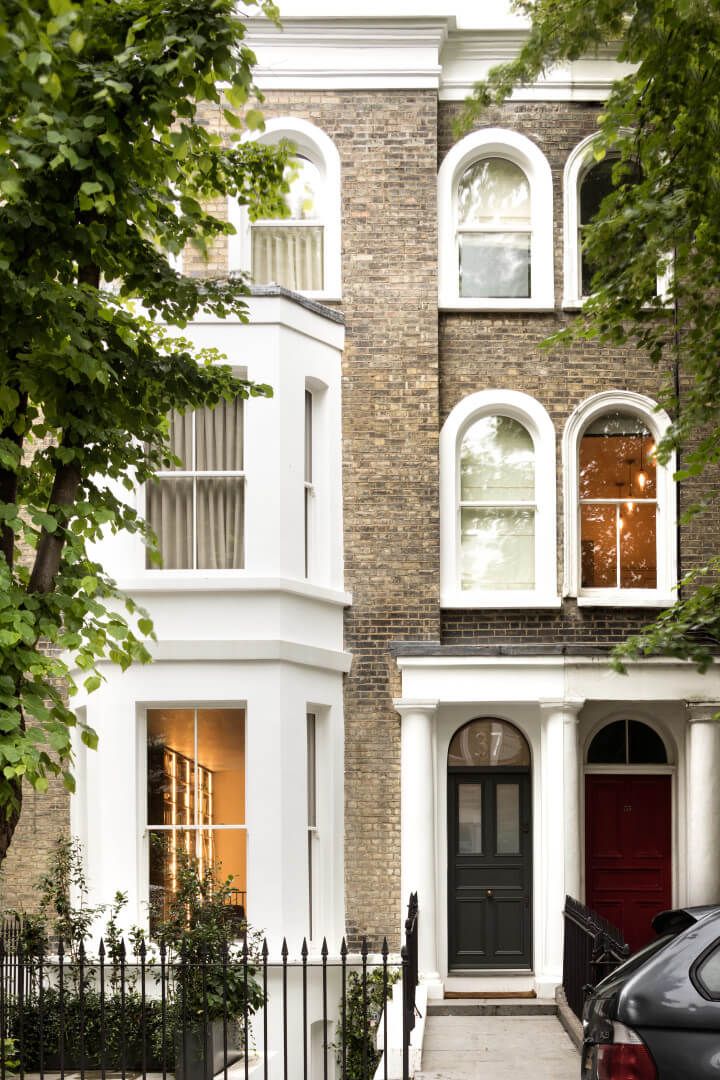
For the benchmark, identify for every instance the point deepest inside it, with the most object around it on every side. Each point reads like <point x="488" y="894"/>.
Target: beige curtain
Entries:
<point x="289" y="256"/>
<point x="211" y="504"/>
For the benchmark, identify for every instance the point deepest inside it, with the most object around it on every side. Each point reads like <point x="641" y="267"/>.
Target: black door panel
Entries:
<point x="489" y="868"/>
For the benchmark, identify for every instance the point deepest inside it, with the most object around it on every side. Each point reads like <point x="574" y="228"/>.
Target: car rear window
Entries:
<point x="621" y="973"/>
<point x="707" y="972"/>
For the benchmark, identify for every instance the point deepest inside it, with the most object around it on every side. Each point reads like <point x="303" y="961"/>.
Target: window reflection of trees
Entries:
<point x="494" y="223"/>
<point x="497" y="508"/>
<point x="597" y="183"/>
<point x="618" y="504"/>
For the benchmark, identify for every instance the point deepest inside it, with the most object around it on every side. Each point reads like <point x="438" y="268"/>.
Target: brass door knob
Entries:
<point x="489" y="893"/>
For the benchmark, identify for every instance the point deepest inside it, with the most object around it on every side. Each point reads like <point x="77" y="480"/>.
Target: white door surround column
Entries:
<point x="417" y="835"/>
<point x="703" y="813"/>
<point x="559" y="871"/>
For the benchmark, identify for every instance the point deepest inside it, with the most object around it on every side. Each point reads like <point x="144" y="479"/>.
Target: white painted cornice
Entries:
<point x="348" y="53"/>
<point x="439" y="51"/>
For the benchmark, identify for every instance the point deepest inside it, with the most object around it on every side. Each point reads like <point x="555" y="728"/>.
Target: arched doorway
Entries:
<point x="489" y="847"/>
<point x="628" y="835"/>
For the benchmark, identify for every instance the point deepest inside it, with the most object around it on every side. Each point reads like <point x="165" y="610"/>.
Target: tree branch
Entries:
<point x="9" y="481"/>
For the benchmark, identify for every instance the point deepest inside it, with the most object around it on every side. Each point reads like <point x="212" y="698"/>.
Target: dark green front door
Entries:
<point x="489" y="869"/>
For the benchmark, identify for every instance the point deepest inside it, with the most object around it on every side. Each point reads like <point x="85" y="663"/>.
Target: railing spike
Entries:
<point x="385" y="950"/>
<point x="284" y="950"/>
<point x="343" y="948"/>
<point x="364" y="947"/>
<point x="121" y="949"/>
<point x="101" y="948"/>
<point x="142" y="951"/>
<point x="264" y="952"/>
<point x="324" y="949"/>
<point x="304" y="950"/>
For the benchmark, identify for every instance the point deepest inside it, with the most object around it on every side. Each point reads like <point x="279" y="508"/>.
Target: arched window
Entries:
<point x="301" y="251"/>
<point x="495" y="224"/>
<point x="488" y="742"/>
<point x="620" y="505"/>
<point x="586" y="183"/>
<point x="497" y="500"/>
<point x="627" y="742"/>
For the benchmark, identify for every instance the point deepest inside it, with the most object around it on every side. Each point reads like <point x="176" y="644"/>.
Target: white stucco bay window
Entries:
<point x="620" y="514"/>
<point x="495" y="224"/>
<point x="497" y="503"/>
<point x="300" y="251"/>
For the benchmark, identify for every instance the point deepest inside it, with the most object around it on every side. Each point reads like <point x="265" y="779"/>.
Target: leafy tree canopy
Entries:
<point x="665" y="117"/>
<point x="106" y="169"/>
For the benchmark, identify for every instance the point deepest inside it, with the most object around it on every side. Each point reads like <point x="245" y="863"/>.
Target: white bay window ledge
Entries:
<point x="470" y="303"/>
<point x="183" y="581"/>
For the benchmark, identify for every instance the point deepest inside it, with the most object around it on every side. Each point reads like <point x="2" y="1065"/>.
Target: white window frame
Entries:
<point x="311" y="142"/>
<point x="576" y="166"/>
<point x="534" y="418"/>
<point x="161" y="573"/>
<point x="657" y="422"/>
<point x="516" y="148"/>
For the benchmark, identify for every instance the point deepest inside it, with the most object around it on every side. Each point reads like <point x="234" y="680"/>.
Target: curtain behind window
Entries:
<point x="199" y="519"/>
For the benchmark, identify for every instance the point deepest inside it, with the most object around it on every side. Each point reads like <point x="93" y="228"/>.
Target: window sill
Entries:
<point x="627" y="598"/>
<point x="457" y="303"/>
<point x="505" y="599"/>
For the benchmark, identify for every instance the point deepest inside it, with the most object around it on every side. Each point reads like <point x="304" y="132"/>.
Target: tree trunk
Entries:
<point x="9" y="824"/>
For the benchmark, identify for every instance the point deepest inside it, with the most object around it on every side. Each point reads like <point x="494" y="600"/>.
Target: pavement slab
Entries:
<point x="497" y="1048"/>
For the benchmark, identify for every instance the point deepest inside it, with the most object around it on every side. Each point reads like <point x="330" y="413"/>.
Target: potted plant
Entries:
<point x="213" y="974"/>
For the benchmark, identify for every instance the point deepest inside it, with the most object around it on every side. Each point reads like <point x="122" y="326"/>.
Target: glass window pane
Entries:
<point x="311" y="771"/>
<point x="488" y="742"/>
<point x="646" y="746"/>
<point x="219" y="437"/>
<point x="221" y="766"/>
<point x="289" y="256"/>
<point x="595" y="185"/>
<point x="617" y="459"/>
<point x="166" y="852"/>
<point x="169" y="512"/>
<point x="170" y="757"/>
<point x="228" y="850"/>
<point x="598" y="546"/>
<point x="497" y="548"/>
<point x="497" y="461"/>
<point x="180" y="438"/>
<point x="220" y="524"/>
<point x="495" y="264"/>
<point x="709" y="972"/>
<point x="638" y="546"/>
<point x="305" y="188"/>
<point x="493" y="191"/>
<point x="507" y="838"/>
<point x="470" y="819"/>
<point x="608" y="746"/>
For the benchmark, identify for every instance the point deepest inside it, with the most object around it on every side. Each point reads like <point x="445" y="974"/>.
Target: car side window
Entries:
<point x="707" y="973"/>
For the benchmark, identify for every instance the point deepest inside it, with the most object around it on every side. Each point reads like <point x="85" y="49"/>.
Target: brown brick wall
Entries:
<point x="44" y="819"/>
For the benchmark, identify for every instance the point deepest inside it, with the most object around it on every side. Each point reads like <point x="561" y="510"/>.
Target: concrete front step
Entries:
<point x="493" y="1007"/>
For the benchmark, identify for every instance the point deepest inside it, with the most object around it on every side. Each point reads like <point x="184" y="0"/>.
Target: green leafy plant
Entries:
<point x="361" y="1040"/>
<point x="209" y="978"/>
<point x="107" y="169"/>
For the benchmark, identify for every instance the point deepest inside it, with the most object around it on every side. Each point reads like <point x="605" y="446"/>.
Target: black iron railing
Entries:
<point x="593" y="948"/>
<point x="409" y="954"/>
<point x="135" y="1010"/>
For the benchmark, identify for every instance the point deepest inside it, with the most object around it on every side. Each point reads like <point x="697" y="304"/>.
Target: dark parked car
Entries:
<point x="657" y="1016"/>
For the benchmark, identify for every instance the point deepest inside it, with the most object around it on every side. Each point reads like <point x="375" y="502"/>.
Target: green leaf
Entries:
<point x="254" y="120"/>
<point x="76" y="41"/>
<point x="93" y="682"/>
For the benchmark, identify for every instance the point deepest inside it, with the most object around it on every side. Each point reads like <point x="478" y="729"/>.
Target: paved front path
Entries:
<point x="497" y="1048"/>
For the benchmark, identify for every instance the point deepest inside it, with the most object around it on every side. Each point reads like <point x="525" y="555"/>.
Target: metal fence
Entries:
<point x="138" y="1010"/>
<point x="593" y="948"/>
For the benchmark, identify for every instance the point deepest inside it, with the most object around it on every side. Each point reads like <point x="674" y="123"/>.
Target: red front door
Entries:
<point x="627" y="846"/>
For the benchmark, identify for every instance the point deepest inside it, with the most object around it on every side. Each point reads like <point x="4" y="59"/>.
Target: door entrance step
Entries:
<point x="467" y="985"/>
<point x="475" y="1006"/>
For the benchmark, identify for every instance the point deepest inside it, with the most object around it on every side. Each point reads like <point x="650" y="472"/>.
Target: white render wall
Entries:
<point x="265" y="639"/>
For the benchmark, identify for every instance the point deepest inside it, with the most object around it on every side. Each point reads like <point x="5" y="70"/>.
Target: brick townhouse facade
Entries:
<point x="415" y="643"/>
